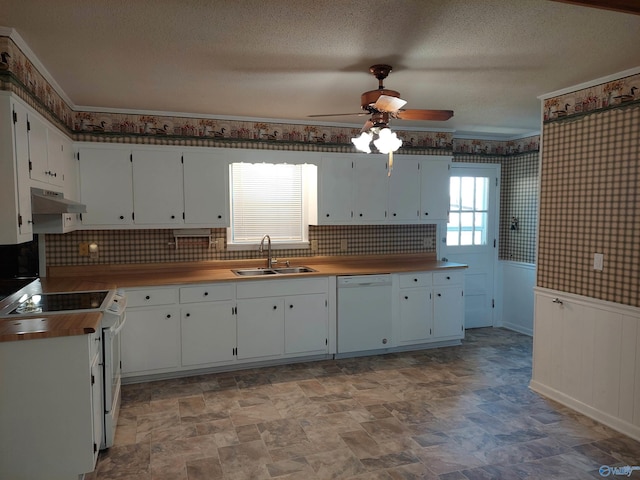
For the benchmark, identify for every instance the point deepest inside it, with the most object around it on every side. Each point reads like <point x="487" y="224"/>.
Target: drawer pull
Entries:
<point x="169" y="315"/>
<point x="415" y="279"/>
<point x="147" y="297"/>
<point x="206" y="293"/>
<point x="448" y="278"/>
<point x="557" y="300"/>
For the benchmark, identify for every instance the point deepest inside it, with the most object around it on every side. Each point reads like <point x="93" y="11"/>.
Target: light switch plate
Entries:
<point x="314" y="245"/>
<point x="344" y="245"/>
<point x="220" y="243"/>
<point x="598" y="261"/>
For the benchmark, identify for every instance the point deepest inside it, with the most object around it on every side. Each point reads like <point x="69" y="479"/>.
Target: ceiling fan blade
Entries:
<point x="386" y="103"/>
<point x="367" y="125"/>
<point x="415" y="114"/>
<point x="339" y="114"/>
<point x="624" y="6"/>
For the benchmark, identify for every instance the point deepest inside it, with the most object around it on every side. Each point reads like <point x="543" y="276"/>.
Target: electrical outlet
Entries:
<point x="314" y="245"/>
<point x="220" y="243"/>
<point x="429" y="243"/>
<point x="344" y="245"/>
<point x="93" y="250"/>
<point x="83" y="249"/>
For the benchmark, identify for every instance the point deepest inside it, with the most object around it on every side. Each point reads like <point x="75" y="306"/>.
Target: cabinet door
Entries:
<point x="416" y="317"/>
<point x="306" y="324"/>
<point x="97" y="406"/>
<point x="39" y="163"/>
<point x="19" y="161"/>
<point x="157" y="187"/>
<point x="370" y="189"/>
<point x="335" y="190"/>
<point x="404" y="190"/>
<point x="260" y="327"/>
<point x="105" y="186"/>
<point x="434" y="189"/>
<point x="56" y="161"/>
<point x="206" y="189"/>
<point x="151" y="340"/>
<point x="448" y="312"/>
<point x="208" y="333"/>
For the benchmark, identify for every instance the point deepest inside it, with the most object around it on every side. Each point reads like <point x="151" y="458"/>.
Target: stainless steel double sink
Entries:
<point x="255" y="272"/>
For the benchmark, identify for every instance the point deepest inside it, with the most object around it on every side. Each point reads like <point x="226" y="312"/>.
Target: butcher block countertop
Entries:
<point x="108" y="277"/>
<point x="159" y="274"/>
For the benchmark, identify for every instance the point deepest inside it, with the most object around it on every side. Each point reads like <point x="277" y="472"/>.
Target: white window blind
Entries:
<point x="267" y="199"/>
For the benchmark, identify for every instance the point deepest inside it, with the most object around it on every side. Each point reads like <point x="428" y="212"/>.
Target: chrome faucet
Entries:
<point x="268" y="249"/>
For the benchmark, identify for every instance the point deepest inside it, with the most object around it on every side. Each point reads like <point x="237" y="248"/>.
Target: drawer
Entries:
<point x="445" y="278"/>
<point x="208" y="293"/>
<point x="281" y="288"/>
<point x="147" y="297"/>
<point x="415" y="280"/>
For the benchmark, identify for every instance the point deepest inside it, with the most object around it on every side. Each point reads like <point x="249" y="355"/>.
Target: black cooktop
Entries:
<point x="61" y="302"/>
<point x="9" y="286"/>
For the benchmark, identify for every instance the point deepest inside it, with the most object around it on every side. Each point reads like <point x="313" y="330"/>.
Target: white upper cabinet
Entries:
<point x="15" y="194"/>
<point x="157" y="187"/>
<point x="370" y="189"/>
<point x="63" y="171"/>
<point x="335" y="190"/>
<point x="206" y="189"/>
<point x="404" y="190"/>
<point x="106" y="186"/>
<point x="434" y="191"/>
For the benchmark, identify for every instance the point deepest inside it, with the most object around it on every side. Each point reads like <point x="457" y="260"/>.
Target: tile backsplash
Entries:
<point x="155" y="246"/>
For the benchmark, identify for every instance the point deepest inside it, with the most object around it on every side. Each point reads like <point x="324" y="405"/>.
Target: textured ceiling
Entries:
<point x="487" y="60"/>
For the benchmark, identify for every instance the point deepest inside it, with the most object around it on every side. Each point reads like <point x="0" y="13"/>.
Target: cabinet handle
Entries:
<point x="121" y="217"/>
<point x="219" y="216"/>
<point x="384" y="341"/>
<point x="147" y="297"/>
<point x="426" y="213"/>
<point x="290" y="306"/>
<point x="415" y="279"/>
<point x="439" y="295"/>
<point x="327" y="214"/>
<point x="448" y="278"/>
<point x="172" y="217"/>
<point x="206" y="293"/>
<point x="360" y="214"/>
<point x="557" y="300"/>
<point x="169" y="315"/>
<point x="394" y="214"/>
<point x="275" y="307"/>
<point x="406" y="297"/>
<point x="186" y="315"/>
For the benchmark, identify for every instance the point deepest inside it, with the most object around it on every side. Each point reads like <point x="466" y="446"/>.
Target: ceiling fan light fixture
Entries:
<point x="362" y="141"/>
<point x="387" y="141"/>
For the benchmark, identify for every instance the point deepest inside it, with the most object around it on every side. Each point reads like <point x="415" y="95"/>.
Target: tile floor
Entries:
<point x="457" y="413"/>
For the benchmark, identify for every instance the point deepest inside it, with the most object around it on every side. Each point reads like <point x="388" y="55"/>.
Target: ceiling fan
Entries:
<point x="384" y="104"/>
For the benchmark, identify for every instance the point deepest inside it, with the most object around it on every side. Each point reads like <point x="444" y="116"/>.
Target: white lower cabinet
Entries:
<point x="50" y="407"/>
<point x="260" y="327"/>
<point x="306" y="324"/>
<point x="173" y="329"/>
<point x="151" y="335"/>
<point x="430" y="307"/>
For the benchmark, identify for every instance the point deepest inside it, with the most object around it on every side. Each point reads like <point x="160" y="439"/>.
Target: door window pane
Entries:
<point x="468" y="211"/>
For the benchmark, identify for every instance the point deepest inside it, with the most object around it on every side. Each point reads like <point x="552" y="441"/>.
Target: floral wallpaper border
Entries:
<point x="620" y="92"/>
<point x="20" y="76"/>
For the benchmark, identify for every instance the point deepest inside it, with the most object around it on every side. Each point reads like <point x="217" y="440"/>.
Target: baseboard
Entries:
<point x="615" y="423"/>
<point x="517" y="328"/>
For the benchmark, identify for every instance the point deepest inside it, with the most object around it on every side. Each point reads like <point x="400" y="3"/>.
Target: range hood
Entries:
<point x="49" y="202"/>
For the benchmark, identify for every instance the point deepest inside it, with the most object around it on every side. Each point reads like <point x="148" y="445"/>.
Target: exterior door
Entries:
<point x="471" y="236"/>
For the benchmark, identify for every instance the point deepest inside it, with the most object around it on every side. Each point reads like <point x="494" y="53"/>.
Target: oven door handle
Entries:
<point x="124" y="320"/>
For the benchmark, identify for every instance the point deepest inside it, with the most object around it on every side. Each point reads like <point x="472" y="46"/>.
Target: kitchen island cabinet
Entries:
<point x="51" y="407"/>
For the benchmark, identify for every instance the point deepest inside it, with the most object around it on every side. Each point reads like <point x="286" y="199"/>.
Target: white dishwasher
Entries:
<point x="364" y="312"/>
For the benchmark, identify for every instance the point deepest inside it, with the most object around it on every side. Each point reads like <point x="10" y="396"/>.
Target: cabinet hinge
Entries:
<point x="28" y="126"/>
<point x="462" y="293"/>
<point x="133" y="215"/>
<point x="30" y="165"/>
<point x="429" y="331"/>
<point x="15" y="117"/>
<point x="493" y="303"/>
<point x="183" y="215"/>
<point x="95" y="448"/>
<point x="182" y="159"/>
<point x="81" y="217"/>
<point x="326" y="341"/>
<point x="19" y="220"/>
<point x="131" y="157"/>
<point x="93" y="379"/>
<point x="494" y="243"/>
<point x="496" y="181"/>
